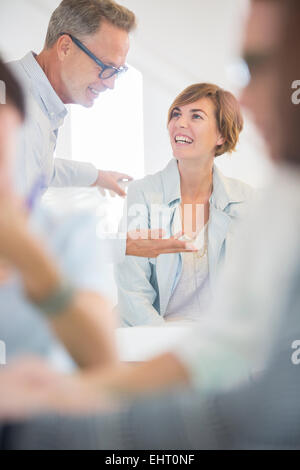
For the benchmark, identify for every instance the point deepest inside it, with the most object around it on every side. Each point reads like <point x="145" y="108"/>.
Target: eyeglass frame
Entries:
<point x="103" y="66"/>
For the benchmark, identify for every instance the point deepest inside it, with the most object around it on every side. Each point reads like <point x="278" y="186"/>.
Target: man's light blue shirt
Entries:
<point x="45" y="115"/>
<point x="38" y="137"/>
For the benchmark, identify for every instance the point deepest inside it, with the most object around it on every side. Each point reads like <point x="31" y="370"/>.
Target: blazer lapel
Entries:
<point x="217" y="231"/>
<point x="166" y="269"/>
<point x="167" y="266"/>
<point x="224" y="194"/>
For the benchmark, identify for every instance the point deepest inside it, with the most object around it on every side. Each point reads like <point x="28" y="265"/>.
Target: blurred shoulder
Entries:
<point x="241" y="189"/>
<point x="232" y="189"/>
<point x="65" y="227"/>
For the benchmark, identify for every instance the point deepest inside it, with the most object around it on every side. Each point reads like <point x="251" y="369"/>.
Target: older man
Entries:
<point x="85" y="51"/>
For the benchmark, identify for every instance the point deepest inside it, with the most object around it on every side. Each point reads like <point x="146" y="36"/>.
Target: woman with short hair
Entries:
<point x="191" y="196"/>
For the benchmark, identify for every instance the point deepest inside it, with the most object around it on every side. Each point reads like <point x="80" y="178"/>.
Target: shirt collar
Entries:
<point x="224" y="191"/>
<point x="171" y="182"/>
<point x="54" y="107"/>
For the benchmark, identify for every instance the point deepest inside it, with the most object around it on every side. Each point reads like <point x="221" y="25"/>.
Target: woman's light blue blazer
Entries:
<point x="145" y="285"/>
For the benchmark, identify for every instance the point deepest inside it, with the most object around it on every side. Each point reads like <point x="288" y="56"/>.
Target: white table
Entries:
<point x="141" y="343"/>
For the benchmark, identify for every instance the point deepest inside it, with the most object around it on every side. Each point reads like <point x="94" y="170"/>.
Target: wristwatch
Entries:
<point x="58" y="300"/>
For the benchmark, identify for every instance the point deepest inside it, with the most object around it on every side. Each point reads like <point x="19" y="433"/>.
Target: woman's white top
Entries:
<point x="191" y="296"/>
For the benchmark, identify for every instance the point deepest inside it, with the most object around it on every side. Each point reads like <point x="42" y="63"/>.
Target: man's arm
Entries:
<point x="82" y="174"/>
<point x="73" y="173"/>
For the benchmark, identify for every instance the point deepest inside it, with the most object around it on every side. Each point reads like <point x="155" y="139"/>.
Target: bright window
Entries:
<point x="110" y="134"/>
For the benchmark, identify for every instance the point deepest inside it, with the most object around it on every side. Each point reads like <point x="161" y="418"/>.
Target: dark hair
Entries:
<point x="287" y="72"/>
<point x="13" y="92"/>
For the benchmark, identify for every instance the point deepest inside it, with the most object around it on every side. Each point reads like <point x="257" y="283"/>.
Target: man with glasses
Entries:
<point x="85" y="51"/>
<point x="107" y="71"/>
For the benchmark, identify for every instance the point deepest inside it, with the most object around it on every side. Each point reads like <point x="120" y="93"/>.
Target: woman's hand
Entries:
<point x="150" y="244"/>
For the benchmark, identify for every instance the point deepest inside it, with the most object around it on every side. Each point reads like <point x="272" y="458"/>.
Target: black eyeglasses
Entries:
<point x="107" y="71"/>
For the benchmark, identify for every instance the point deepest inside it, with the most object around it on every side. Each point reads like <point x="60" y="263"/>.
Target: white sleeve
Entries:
<point x="72" y="173"/>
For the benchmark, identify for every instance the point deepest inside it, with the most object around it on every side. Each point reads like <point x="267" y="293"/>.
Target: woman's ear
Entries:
<point x="220" y="140"/>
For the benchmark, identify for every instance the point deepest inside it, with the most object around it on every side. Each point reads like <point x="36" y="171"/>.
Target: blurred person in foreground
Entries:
<point x="52" y="279"/>
<point x="258" y="326"/>
<point x="190" y="195"/>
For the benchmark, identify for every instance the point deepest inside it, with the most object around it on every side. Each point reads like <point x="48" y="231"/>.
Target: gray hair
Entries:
<point x="83" y="18"/>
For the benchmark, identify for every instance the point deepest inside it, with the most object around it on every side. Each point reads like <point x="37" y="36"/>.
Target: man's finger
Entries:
<point x="117" y="189"/>
<point x="101" y="191"/>
<point x="123" y="176"/>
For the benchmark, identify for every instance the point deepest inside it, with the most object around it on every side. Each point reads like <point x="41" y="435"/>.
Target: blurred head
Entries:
<point x="288" y="70"/>
<point x="12" y="113"/>
<point x="103" y="27"/>
<point x="204" y="121"/>
<point x="271" y="50"/>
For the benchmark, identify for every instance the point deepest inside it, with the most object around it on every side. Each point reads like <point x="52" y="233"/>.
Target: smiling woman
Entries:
<point x="217" y="103"/>
<point x="192" y="196"/>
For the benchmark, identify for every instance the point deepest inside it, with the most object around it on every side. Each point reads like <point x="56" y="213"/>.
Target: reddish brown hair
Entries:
<point x="227" y="111"/>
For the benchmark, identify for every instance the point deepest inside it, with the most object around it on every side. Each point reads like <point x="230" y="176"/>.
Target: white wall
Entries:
<point x="23" y="25"/>
<point x="177" y="43"/>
